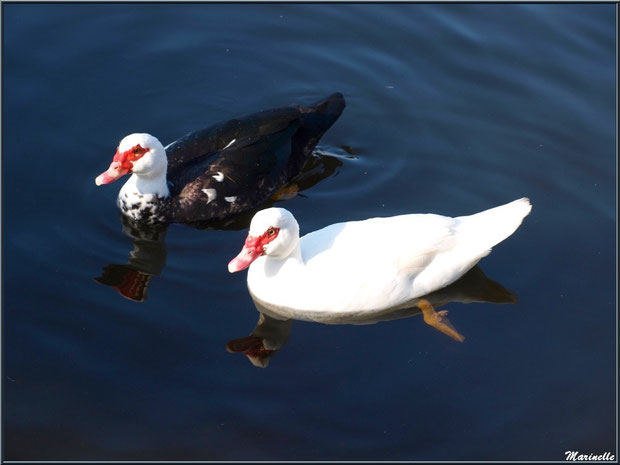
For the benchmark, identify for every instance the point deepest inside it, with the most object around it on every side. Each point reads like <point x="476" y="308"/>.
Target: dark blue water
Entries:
<point x="452" y="109"/>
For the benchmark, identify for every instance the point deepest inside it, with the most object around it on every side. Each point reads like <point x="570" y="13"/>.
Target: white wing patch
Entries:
<point x="219" y="177"/>
<point x="211" y="194"/>
<point x="230" y="199"/>
<point x="230" y="143"/>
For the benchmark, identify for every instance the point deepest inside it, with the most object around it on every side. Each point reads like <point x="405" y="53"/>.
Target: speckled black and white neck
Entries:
<point x="145" y="198"/>
<point x="144" y="208"/>
<point x="223" y="170"/>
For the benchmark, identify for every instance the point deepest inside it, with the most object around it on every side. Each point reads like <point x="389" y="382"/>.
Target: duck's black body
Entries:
<point x="235" y="166"/>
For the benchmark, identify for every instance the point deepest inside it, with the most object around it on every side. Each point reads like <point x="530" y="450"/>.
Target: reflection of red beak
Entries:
<point x="252" y="347"/>
<point x="130" y="283"/>
<point x="114" y="172"/>
<point x="252" y="249"/>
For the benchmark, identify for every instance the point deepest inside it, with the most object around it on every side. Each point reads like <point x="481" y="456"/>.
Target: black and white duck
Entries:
<point x="220" y="171"/>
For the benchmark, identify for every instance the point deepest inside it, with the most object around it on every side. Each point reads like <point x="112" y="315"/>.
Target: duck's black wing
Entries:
<point x="235" y="166"/>
<point x="240" y="177"/>
<point x="211" y="141"/>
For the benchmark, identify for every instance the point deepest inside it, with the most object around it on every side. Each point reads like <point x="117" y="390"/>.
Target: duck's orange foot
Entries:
<point x="286" y="192"/>
<point x="438" y="320"/>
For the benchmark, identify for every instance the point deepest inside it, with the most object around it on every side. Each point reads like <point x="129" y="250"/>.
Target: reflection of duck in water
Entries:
<point x="273" y="330"/>
<point x="148" y="257"/>
<point x="269" y="335"/>
<point x="220" y="171"/>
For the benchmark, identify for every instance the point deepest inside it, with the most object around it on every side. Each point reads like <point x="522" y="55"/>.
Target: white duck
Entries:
<point x="367" y="265"/>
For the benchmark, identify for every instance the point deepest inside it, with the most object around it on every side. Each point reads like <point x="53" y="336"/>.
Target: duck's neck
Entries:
<point x="295" y="256"/>
<point x="155" y="185"/>
<point x="287" y="266"/>
<point x="278" y="282"/>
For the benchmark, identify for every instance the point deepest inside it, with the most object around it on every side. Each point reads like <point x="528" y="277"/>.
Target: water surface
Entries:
<point x="451" y="109"/>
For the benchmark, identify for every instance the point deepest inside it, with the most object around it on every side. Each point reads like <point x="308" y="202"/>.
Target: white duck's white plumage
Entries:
<point x="369" y="265"/>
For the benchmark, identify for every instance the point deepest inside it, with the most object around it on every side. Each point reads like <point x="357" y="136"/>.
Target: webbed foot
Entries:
<point x="438" y="320"/>
<point x="286" y="192"/>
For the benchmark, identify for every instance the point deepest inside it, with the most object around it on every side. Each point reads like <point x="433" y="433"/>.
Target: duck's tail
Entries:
<point x="328" y="110"/>
<point x="316" y="119"/>
<point x="482" y="231"/>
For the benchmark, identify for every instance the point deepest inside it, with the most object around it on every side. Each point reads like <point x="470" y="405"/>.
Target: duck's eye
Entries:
<point x="271" y="232"/>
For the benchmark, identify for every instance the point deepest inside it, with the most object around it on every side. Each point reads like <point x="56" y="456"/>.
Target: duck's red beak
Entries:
<point x="114" y="172"/>
<point x="252" y="249"/>
<point x="122" y="164"/>
<point x="118" y="168"/>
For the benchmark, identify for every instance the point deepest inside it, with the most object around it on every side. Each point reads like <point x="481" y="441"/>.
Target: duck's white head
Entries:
<point x="141" y="154"/>
<point x="274" y="232"/>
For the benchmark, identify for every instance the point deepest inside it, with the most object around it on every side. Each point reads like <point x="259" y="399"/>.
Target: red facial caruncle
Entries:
<point x="253" y="248"/>
<point x="128" y="157"/>
<point x="122" y="164"/>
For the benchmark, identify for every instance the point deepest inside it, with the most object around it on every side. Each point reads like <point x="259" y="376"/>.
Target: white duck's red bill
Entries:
<point x="244" y="259"/>
<point x="253" y="248"/>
